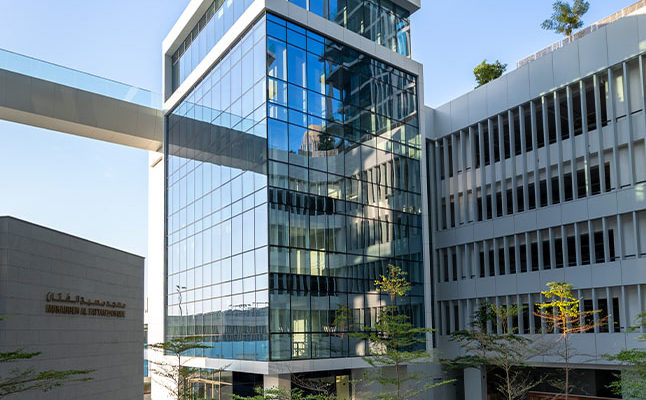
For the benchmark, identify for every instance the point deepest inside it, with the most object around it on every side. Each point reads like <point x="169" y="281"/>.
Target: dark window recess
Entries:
<point x="505" y="137"/>
<point x="576" y="111"/>
<point x="602" y="306"/>
<point x="531" y="193"/>
<point x="568" y="193"/>
<point x="519" y="199"/>
<point x="514" y="323"/>
<point x="611" y="245"/>
<point x="443" y="216"/>
<point x="537" y="320"/>
<point x="556" y="198"/>
<point x="589" y="317"/>
<point x="615" y="314"/>
<point x="551" y="120"/>
<point x="571" y="251"/>
<point x="580" y="183"/>
<point x="447" y="316"/>
<point x="501" y="261"/>
<point x="558" y="252"/>
<point x="496" y="141"/>
<point x="485" y="138"/>
<point x="446" y="265"/>
<point x="534" y="254"/>
<point x="479" y="205"/>
<point x="499" y="204"/>
<point x="585" y="249"/>
<point x="540" y="134"/>
<point x="482" y="264"/>
<point x="543" y="193"/>
<point x="528" y="128"/>
<point x="452" y="211"/>
<point x="591" y="107"/>
<point x="510" y="201"/>
<point x="563" y="114"/>
<point x="525" y="311"/>
<point x="603" y="97"/>
<point x="523" y="257"/>
<point x="489" y="210"/>
<point x="456" y="317"/>
<point x="441" y="151"/>
<point x="454" y="259"/>
<point x="450" y="147"/>
<point x="477" y="148"/>
<point x="599" y="251"/>
<point x="517" y="143"/>
<point x="512" y="260"/>
<point x="492" y="267"/>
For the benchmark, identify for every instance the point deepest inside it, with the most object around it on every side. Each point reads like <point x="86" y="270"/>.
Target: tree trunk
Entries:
<point x="567" y="368"/>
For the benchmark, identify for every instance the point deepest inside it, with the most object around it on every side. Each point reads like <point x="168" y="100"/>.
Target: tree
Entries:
<point x="17" y="380"/>
<point x="564" y="316"/>
<point x="507" y="352"/>
<point x="487" y="72"/>
<point x="175" y="375"/>
<point x="566" y="18"/>
<point x="280" y="394"/>
<point x="394" y="342"/>
<point x="631" y="383"/>
<point x="22" y="380"/>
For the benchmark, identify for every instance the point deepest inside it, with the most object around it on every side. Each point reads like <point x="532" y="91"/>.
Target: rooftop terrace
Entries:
<point x="636" y="8"/>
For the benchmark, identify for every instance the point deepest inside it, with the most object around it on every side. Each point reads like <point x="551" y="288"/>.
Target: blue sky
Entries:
<point x="99" y="190"/>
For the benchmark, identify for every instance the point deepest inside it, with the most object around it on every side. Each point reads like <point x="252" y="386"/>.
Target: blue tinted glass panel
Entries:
<point x="217" y="210"/>
<point x="378" y="20"/>
<point x="344" y="194"/>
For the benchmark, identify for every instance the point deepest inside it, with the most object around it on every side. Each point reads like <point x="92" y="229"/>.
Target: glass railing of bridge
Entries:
<point x="40" y="69"/>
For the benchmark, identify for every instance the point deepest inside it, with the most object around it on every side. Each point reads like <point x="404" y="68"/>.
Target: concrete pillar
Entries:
<point x="475" y="384"/>
<point x="282" y="382"/>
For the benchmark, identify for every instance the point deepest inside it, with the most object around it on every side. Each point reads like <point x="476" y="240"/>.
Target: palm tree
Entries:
<point x="566" y="18"/>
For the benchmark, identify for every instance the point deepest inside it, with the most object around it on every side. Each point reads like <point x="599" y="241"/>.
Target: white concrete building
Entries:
<point x="78" y="303"/>
<point x="540" y="176"/>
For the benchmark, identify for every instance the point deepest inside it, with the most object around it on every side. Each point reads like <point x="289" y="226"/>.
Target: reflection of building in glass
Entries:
<point x="292" y="181"/>
<point x="341" y="204"/>
<point x="382" y="21"/>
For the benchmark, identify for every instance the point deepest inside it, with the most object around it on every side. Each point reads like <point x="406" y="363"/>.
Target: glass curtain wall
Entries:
<point x="217" y="254"/>
<point x="293" y="180"/>
<point x="215" y="22"/>
<point x="344" y="191"/>
<point x="381" y="21"/>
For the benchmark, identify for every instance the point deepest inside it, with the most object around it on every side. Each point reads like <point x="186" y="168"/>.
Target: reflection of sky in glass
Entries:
<point x="217" y="207"/>
<point x="344" y="190"/>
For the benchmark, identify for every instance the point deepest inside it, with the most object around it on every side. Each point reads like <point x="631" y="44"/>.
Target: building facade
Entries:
<point x="539" y="176"/>
<point x="294" y="172"/>
<point x="77" y="303"/>
<point x="293" y="159"/>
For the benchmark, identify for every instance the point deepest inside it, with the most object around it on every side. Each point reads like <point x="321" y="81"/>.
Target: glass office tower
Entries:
<point x="217" y="235"/>
<point x="344" y="190"/>
<point x="292" y="182"/>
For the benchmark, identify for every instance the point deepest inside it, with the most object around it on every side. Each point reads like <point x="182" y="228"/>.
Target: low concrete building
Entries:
<point x="77" y="302"/>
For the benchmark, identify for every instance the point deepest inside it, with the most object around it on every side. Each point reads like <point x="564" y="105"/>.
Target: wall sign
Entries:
<point x="78" y="305"/>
